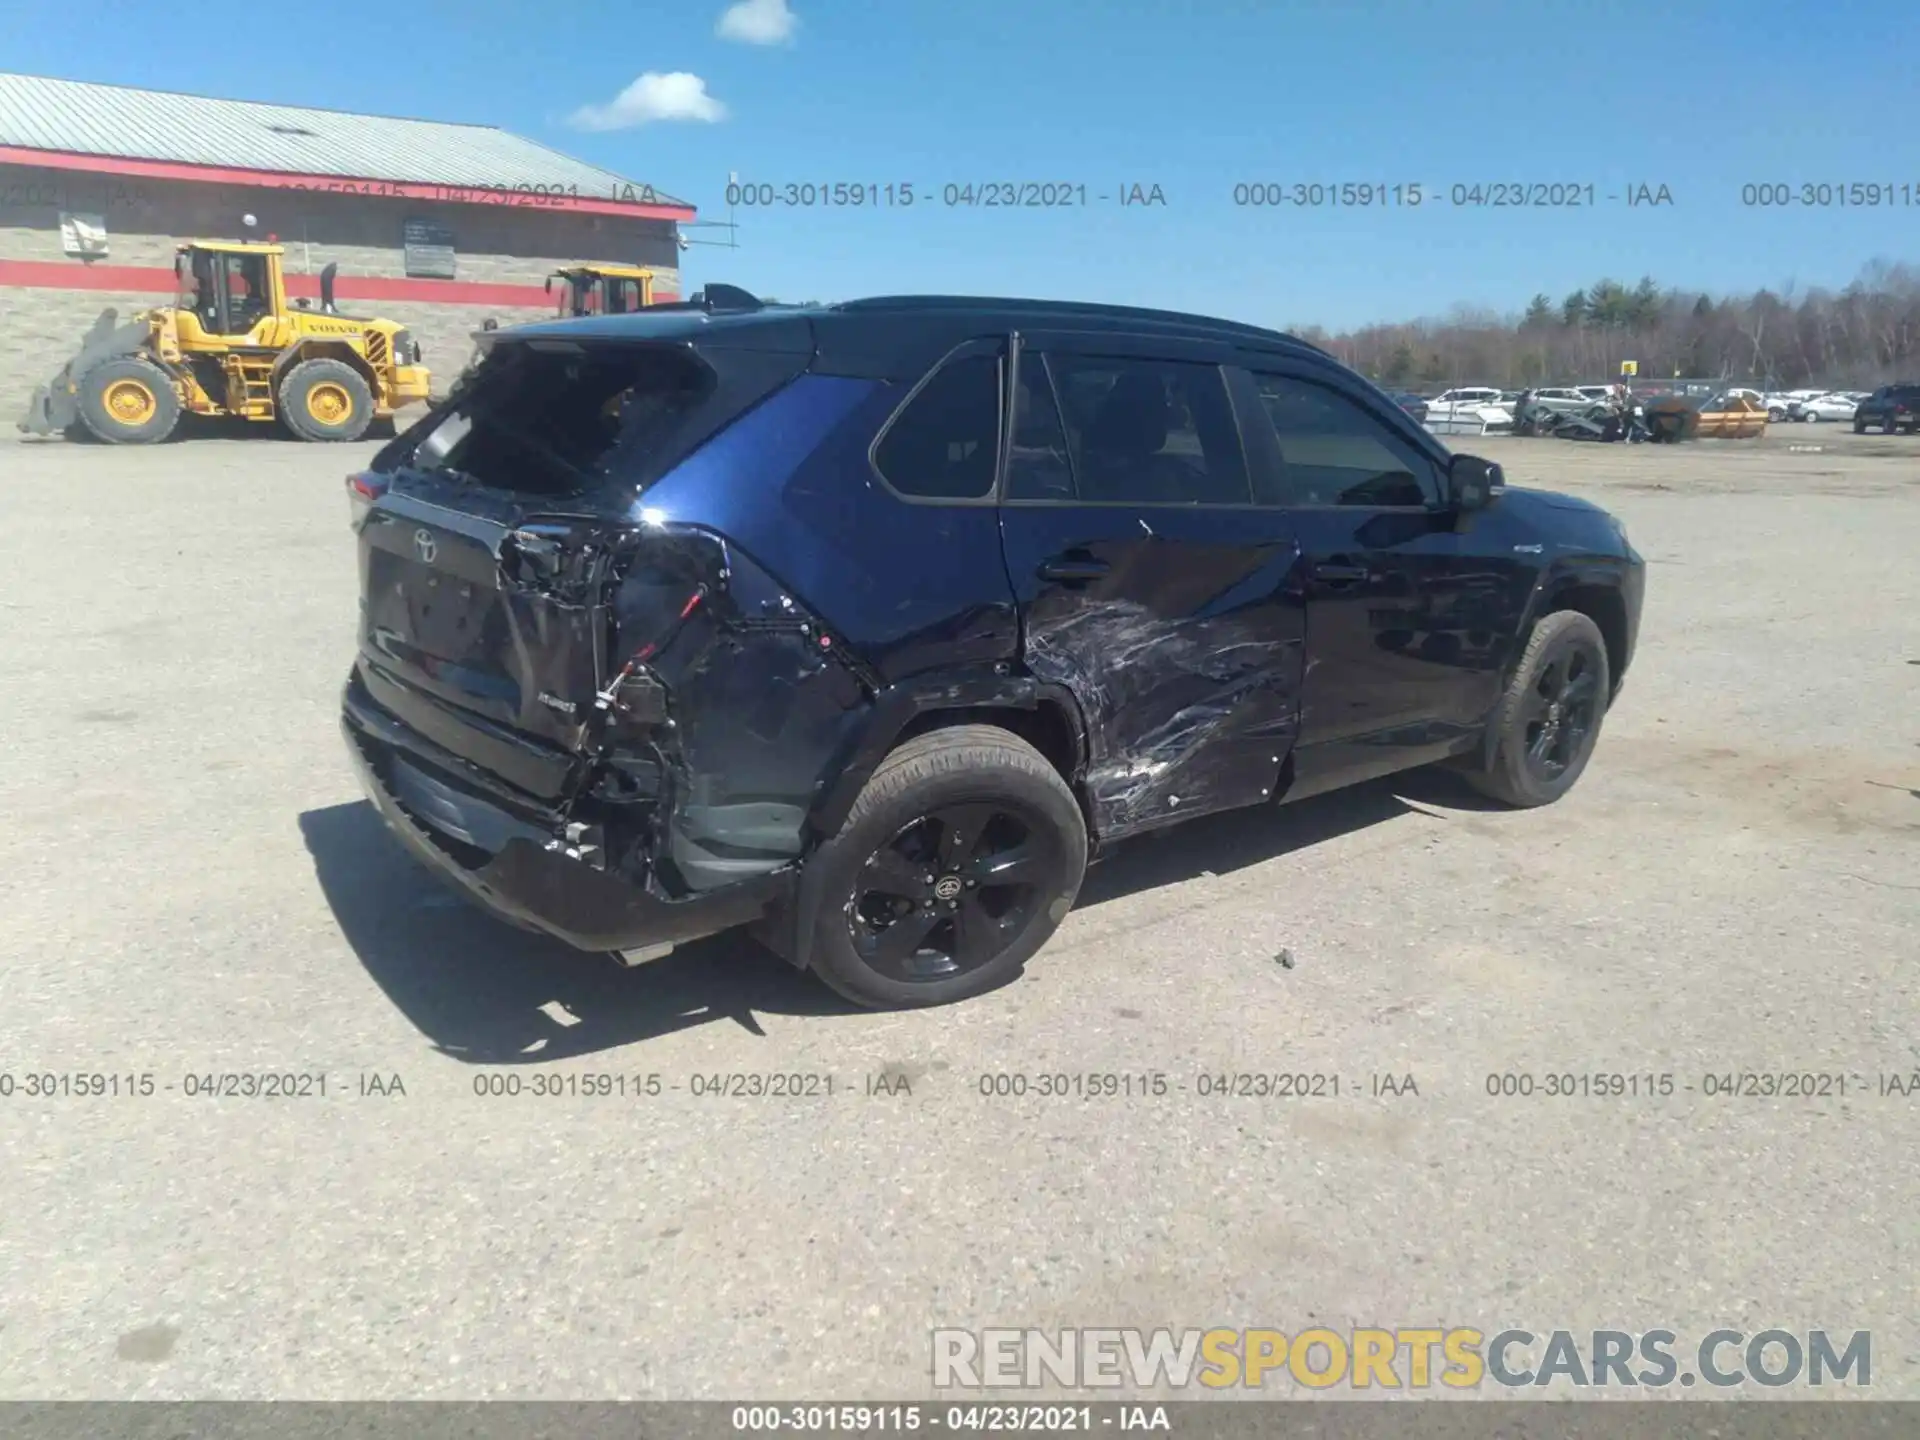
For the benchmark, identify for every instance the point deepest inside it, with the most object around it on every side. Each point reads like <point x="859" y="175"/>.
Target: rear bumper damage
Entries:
<point x="517" y="868"/>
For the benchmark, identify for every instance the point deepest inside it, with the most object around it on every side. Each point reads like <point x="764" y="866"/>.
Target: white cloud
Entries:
<point x="675" y="95"/>
<point x="758" y="22"/>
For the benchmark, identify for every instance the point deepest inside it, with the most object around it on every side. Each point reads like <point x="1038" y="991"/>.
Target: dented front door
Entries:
<point x="1147" y="584"/>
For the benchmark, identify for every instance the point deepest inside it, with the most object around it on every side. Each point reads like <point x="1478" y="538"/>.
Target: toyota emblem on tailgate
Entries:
<point x="425" y="545"/>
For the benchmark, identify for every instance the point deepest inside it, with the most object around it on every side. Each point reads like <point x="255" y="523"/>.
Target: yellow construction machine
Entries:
<point x="594" y="289"/>
<point x="231" y="345"/>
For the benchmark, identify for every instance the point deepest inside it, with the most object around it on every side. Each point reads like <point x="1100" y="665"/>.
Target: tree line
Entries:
<point x="1856" y="338"/>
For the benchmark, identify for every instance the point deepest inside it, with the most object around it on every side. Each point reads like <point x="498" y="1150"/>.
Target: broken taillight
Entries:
<point x="363" y="488"/>
<point x="653" y="647"/>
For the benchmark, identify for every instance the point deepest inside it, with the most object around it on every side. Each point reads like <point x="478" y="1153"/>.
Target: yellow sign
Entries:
<point x="1629" y="367"/>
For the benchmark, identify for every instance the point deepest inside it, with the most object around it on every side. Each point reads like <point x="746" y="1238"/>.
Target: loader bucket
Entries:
<point x="55" y="406"/>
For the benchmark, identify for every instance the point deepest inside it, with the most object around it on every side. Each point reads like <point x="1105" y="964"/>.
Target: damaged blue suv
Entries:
<point x="867" y="625"/>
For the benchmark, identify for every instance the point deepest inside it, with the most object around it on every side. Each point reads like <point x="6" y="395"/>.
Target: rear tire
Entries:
<point x="325" y="400"/>
<point x="957" y="863"/>
<point x="129" y="402"/>
<point x="1549" y="721"/>
<point x="1859" y="427"/>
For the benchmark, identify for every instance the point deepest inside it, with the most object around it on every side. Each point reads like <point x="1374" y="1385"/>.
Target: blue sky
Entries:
<point x="1702" y="96"/>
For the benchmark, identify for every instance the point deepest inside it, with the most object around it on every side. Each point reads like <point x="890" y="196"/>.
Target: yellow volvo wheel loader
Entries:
<point x="231" y="345"/>
<point x="602" y="289"/>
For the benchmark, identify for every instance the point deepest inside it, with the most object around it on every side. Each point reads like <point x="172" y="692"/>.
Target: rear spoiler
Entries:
<point x="715" y="299"/>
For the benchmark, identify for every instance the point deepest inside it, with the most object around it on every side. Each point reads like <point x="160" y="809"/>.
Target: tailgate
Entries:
<point x="486" y="630"/>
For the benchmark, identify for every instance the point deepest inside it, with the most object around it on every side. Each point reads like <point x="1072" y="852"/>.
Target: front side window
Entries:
<point x="1334" y="453"/>
<point x="945" y="444"/>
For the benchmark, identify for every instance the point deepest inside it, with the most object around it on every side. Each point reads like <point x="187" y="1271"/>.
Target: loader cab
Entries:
<point x="230" y="289"/>
<point x="600" y="290"/>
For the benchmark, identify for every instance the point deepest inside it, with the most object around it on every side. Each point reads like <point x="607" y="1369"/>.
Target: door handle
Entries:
<point x="1073" y="567"/>
<point x="1340" y="572"/>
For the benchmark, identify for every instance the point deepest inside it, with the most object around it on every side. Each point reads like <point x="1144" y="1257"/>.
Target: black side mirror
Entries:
<point x="1472" y="483"/>
<point x="304" y="303"/>
<point x="549" y="286"/>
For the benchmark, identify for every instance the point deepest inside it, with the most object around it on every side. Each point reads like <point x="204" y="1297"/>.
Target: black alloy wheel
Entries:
<point x="946" y="894"/>
<point x="1549" y="722"/>
<point x="1560" y="711"/>
<point x="958" y="861"/>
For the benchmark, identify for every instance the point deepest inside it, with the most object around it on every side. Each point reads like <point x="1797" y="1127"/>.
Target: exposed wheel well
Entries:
<point x="1604" y="606"/>
<point x="1045" y="727"/>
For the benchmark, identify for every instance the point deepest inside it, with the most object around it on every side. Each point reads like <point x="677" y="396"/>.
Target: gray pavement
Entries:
<point x="192" y="888"/>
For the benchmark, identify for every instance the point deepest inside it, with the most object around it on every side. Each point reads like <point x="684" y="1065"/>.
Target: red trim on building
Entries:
<point x="566" y="200"/>
<point x="157" y="279"/>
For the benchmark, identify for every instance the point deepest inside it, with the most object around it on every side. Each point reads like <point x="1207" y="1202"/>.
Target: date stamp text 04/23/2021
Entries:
<point x="1277" y="1084"/>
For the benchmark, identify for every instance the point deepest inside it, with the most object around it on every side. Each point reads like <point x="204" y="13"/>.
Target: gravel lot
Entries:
<point x="194" y="888"/>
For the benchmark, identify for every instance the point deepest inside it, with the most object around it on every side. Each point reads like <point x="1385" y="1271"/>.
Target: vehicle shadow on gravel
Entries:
<point x="1221" y="844"/>
<point x="489" y="994"/>
<point x="486" y="993"/>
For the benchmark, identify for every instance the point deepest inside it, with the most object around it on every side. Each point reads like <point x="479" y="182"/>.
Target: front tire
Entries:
<point x="957" y="863"/>
<point x="129" y="402"/>
<point x="1549" y="720"/>
<point x="326" y="400"/>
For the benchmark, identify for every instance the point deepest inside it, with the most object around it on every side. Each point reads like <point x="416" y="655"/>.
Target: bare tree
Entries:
<point x="1868" y="334"/>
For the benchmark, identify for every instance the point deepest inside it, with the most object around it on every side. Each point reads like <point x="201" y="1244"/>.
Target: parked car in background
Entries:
<point x="1414" y="405"/>
<point x="1471" y="410"/>
<point x="1889" y="409"/>
<point x="1568" y="397"/>
<point x="1824" y="407"/>
<point x="1780" y="403"/>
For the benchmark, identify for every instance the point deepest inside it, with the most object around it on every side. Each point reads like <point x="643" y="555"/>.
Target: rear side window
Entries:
<point x="945" y="444"/>
<point x="1142" y="432"/>
<point x="1038" y="465"/>
<point x="1333" y="452"/>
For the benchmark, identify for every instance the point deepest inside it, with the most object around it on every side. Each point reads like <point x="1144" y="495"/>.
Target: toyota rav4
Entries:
<point x="866" y="626"/>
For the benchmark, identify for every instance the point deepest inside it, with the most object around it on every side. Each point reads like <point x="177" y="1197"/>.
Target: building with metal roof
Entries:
<point x="73" y="118"/>
<point x="435" y="224"/>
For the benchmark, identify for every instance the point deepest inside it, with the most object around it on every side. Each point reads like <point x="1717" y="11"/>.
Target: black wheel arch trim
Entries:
<point x="975" y="689"/>
<point x="1573" y="572"/>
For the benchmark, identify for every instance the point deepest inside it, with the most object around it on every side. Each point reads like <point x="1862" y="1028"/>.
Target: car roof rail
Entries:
<point x="1088" y="309"/>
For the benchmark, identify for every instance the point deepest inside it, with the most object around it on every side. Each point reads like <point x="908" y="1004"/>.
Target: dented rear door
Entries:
<point x="1148" y="585"/>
